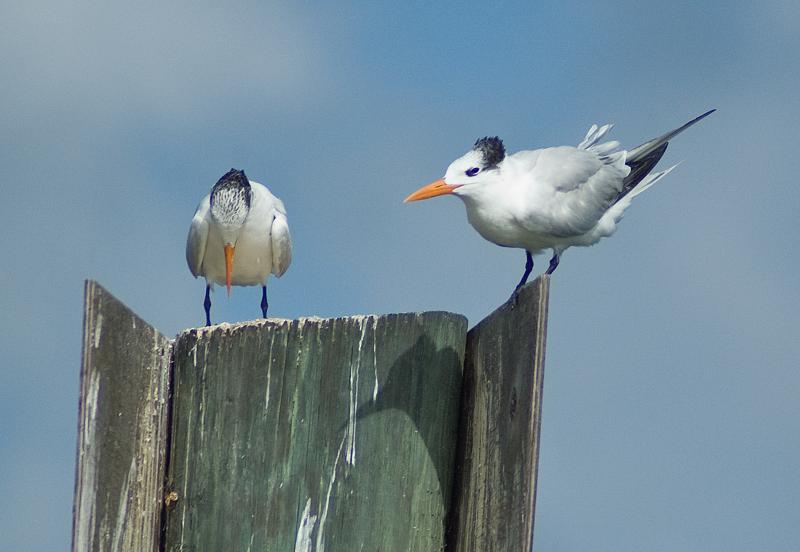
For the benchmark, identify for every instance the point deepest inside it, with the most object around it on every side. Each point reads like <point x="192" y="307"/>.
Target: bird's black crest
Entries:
<point x="233" y="180"/>
<point x="491" y="149"/>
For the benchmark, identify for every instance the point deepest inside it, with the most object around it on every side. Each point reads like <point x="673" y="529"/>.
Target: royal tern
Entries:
<point x="551" y="198"/>
<point x="243" y="217"/>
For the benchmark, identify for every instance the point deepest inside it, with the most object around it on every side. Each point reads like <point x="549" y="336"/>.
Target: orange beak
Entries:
<point x="228" y="266"/>
<point x="432" y="190"/>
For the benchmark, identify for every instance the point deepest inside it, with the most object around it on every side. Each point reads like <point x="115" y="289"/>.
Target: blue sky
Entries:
<point x="672" y="390"/>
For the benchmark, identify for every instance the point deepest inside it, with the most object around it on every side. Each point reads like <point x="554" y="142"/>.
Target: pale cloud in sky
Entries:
<point x="172" y="61"/>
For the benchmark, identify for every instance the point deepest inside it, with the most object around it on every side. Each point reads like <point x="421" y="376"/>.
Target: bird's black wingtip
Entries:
<point x="677" y="131"/>
<point x="706" y="114"/>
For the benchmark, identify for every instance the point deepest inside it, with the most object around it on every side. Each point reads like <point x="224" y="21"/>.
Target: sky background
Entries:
<point x="672" y="389"/>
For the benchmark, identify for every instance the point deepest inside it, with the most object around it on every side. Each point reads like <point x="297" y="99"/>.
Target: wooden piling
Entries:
<point x="378" y="433"/>
<point x="122" y="429"/>
<point x="498" y="454"/>
<point x="316" y="434"/>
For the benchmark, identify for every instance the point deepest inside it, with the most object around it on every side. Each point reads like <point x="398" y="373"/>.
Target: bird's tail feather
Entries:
<point x="639" y="169"/>
<point x="649" y="180"/>
<point x="642" y="159"/>
<point x="618" y="209"/>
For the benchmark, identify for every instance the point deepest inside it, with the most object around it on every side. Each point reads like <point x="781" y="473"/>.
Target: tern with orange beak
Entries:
<point x="238" y="237"/>
<point x="552" y="198"/>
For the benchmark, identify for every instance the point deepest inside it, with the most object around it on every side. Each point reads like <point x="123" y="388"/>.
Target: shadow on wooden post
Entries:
<point x="315" y="434"/>
<point x="308" y="435"/>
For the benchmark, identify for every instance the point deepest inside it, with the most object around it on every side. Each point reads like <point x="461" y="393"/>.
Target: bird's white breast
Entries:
<point x="252" y="260"/>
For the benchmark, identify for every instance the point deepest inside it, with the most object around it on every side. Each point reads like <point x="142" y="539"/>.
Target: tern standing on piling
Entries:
<point x="238" y="237"/>
<point x="551" y="198"/>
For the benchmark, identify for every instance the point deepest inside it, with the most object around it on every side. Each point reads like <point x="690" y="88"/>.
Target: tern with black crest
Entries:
<point x="551" y="198"/>
<point x="238" y="237"/>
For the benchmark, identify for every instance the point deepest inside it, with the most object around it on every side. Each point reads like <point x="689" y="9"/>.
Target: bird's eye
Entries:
<point x="473" y="171"/>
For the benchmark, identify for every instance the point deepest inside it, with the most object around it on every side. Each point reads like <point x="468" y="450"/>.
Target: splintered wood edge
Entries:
<point x="227" y="327"/>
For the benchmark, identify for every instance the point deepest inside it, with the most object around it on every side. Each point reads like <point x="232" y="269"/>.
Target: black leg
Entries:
<point x="264" y="304"/>
<point x="207" y="305"/>
<point x="553" y="263"/>
<point x="528" y="268"/>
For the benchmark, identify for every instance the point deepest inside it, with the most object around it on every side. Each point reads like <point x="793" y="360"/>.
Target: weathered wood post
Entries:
<point x="311" y="435"/>
<point x="122" y="428"/>
<point x="501" y="412"/>
<point x="315" y="434"/>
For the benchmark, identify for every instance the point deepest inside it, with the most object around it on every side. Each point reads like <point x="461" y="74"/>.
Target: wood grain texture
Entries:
<point x="498" y="449"/>
<point x="315" y="434"/>
<point x="122" y="429"/>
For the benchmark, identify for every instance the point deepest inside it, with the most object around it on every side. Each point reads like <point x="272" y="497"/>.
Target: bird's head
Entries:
<point x="230" y="205"/>
<point x="476" y="167"/>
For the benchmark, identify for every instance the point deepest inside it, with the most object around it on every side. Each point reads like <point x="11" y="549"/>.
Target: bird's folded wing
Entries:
<point x="198" y="235"/>
<point x="576" y="187"/>
<point x="281" y="244"/>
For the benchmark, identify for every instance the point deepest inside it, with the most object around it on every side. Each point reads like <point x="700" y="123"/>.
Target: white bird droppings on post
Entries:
<point x="324" y="514"/>
<point x="84" y="536"/>
<point x="302" y="541"/>
<point x="355" y="368"/>
<point x="375" y="357"/>
<point x="98" y="330"/>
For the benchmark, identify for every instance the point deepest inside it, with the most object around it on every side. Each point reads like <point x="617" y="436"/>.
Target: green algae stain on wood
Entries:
<point x="315" y="434"/>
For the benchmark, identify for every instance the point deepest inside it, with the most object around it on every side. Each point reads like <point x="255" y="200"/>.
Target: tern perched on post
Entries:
<point x="551" y="198"/>
<point x="238" y="237"/>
